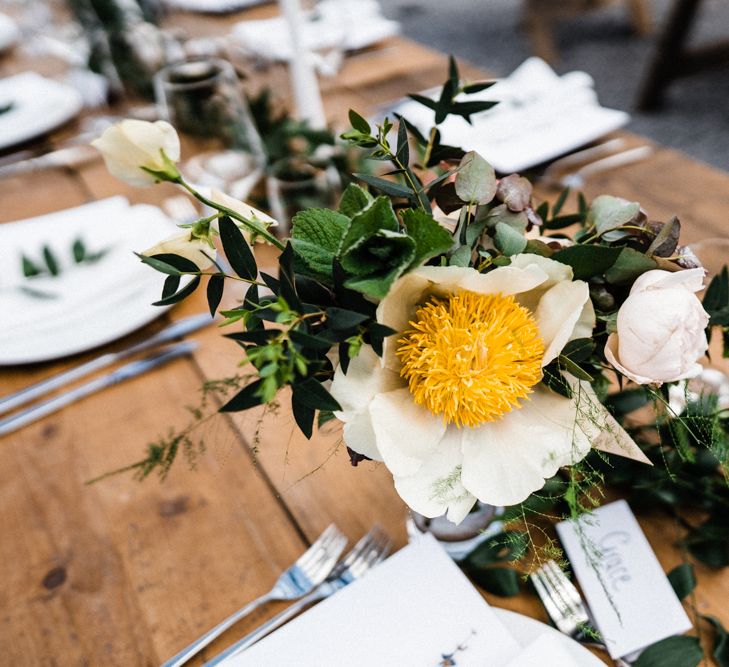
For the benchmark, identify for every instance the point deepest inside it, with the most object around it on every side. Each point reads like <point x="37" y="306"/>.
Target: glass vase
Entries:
<point x="482" y="522"/>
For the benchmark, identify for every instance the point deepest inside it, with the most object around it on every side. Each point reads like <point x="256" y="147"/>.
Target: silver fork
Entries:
<point x="565" y="605"/>
<point x="304" y="576"/>
<point x="368" y="552"/>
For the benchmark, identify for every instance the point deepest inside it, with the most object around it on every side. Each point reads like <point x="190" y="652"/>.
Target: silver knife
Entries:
<point x="130" y="370"/>
<point x="174" y="330"/>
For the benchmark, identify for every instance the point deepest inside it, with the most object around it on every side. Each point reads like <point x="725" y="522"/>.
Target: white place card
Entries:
<point x="414" y="610"/>
<point x="629" y="595"/>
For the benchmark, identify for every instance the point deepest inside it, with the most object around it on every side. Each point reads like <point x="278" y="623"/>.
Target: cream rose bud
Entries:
<point x="243" y="209"/>
<point x="197" y="251"/>
<point x="132" y="146"/>
<point x="661" y="328"/>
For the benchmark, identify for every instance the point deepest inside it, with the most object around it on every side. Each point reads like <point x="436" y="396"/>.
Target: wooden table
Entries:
<point x="126" y="573"/>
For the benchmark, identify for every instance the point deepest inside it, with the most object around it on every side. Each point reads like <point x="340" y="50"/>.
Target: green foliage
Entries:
<point x="317" y="236"/>
<point x="672" y="652"/>
<point x="485" y="564"/>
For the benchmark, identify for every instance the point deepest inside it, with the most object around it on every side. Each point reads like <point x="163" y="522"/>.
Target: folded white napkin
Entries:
<point x="347" y="25"/>
<point x="540" y="116"/>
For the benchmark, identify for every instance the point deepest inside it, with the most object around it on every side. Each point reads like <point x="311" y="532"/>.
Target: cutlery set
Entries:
<point x="565" y="606"/>
<point x="132" y="369"/>
<point x="317" y="574"/>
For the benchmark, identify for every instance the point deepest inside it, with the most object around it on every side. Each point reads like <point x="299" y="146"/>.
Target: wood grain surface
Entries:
<point x="126" y="573"/>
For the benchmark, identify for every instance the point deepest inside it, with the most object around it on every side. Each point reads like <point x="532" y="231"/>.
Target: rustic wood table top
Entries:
<point x="127" y="573"/>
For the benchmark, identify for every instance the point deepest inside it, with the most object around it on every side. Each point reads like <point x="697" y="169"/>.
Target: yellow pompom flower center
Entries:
<point x="471" y="357"/>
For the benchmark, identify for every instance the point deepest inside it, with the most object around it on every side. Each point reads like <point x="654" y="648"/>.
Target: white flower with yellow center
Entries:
<point x="454" y="407"/>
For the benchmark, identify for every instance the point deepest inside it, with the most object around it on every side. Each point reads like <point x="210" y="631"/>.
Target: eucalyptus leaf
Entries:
<point x="508" y="240"/>
<point x="461" y="257"/>
<point x="587" y="260"/>
<point x="720" y="651"/>
<point x="607" y="212"/>
<point x="475" y="180"/>
<point x="515" y="192"/>
<point x="629" y="265"/>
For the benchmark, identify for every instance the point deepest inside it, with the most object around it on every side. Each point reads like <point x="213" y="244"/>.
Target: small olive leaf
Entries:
<point x="508" y="240"/>
<point x="403" y="149"/>
<point x="587" y="260"/>
<point x="354" y="199"/>
<point x="502" y="215"/>
<point x="430" y="238"/>
<point x="305" y="340"/>
<point x="378" y="216"/>
<point x="559" y="203"/>
<point x="607" y="213"/>
<point x="51" y="262"/>
<point x="312" y="394"/>
<point x="216" y="285"/>
<point x="359" y="123"/>
<point x="237" y="250"/>
<point x="629" y="265"/>
<point x="475" y="180"/>
<point x="171" y="264"/>
<point x="186" y="291"/>
<point x="170" y="286"/>
<point x="515" y="191"/>
<point x="682" y="580"/>
<point x="666" y="241"/>
<point x="303" y="414"/>
<point x="316" y="235"/>
<point x="341" y="319"/>
<point x="681" y="651"/>
<point x="246" y="398"/>
<point x="30" y="269"/>
<point x="390" y="188"/>
<point x="79" y="251"/>
<point x="477" y="87"/>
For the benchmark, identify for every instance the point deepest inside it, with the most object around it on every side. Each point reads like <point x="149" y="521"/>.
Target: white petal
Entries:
<point x="407" y="434"/>
<point x="359" y="435"/>
<point x="690" y="279"/>
<point x="505" y="461"/>
<point x="557" y="314"/>
<point x="151" y="138"/>
<point x="197" y="251"/>
<point x="611" y="354"/>
<point x="585" y="323"/>
<point x="244" y="209"/>
<point x="365" y="377"/>
<point x="436" y="488"/>
<point x="556" y="271"/>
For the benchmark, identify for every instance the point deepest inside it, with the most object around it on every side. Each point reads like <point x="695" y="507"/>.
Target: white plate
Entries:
<point x="525" y="630"/>
<point x="9" y="32"/>
<point x="92" y="304"/>
<point x="39" y="105"/>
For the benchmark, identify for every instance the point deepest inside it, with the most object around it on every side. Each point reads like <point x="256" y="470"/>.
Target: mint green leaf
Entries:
<point x="430" y="238"/>
<point x="316" y="235"/>
<point x="508" y="240"/>
<point x="475" y="180"/>
<point x="354" y="199"/>
<point x="501" y="214"/>
<point x="377" y="261"/>
<point x="607" y="212"/>
<point x="629" y="265"/>
<point x="378" y="216"/>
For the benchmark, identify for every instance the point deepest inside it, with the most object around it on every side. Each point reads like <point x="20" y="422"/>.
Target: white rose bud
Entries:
<point x="661" y="328"/>
<point x="132" y="147"/>
<point x="183" y="244"/>
<point x="245" y="211"/>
